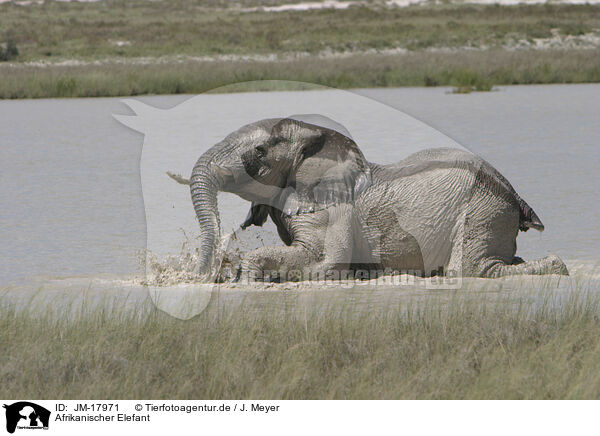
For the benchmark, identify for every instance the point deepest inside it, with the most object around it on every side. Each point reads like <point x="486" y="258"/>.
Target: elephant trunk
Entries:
<point x="205" y="184"/>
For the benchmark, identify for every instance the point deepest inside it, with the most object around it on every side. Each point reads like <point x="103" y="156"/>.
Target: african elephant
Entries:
<point x="437" y="210"/>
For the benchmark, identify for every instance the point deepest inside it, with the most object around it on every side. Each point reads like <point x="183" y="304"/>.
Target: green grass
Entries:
<point x="473" y="347"/>
<point x="467" y="81"/>
<point x="191" y="27"/>
<point x="165" y="42"/>
<point x="414" y="69"/>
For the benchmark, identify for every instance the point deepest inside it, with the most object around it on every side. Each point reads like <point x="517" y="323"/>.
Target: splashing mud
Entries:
<point x="182" y="267"/>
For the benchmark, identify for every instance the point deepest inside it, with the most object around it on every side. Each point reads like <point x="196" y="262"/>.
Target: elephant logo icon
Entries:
<point x="26" y="415"/>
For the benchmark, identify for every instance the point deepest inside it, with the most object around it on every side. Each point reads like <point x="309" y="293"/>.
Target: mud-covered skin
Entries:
<point x="437" y="209"/>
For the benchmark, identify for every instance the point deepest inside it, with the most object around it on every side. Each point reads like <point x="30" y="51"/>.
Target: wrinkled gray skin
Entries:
<point x="438" y="208"/>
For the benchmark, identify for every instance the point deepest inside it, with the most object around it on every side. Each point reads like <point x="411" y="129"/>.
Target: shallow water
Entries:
<point x="73" y="206"/>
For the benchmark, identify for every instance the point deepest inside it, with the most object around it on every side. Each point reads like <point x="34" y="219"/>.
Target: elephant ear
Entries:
<point x="328" y="168"/>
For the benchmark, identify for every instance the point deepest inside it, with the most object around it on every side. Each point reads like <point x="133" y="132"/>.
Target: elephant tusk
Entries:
<point x="224" y="173"/>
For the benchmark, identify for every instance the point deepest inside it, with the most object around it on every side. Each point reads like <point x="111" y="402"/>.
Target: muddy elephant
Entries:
<point x="436" y="211"/>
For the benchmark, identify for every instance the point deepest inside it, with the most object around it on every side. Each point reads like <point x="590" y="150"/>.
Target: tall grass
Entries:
<point x="466" y="81"/>
<point x="461" y="348"/>
<point x="413" y="69"/>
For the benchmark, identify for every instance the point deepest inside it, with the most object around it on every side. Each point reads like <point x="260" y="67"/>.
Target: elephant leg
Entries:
<point x="322" y="248"/>
<point x="274" y="263"/>
<point x="551" y="264"/>
<point x="489" y="242"/>
<point x="338" y="241"/>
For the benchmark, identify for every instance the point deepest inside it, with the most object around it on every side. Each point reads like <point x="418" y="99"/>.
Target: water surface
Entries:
<point x="72" y="202"/>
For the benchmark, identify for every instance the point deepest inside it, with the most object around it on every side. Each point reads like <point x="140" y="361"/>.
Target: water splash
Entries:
<point x="182" y="268"/>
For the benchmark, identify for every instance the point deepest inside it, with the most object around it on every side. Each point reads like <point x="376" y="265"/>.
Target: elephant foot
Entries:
<point x="517" y="260"/>
<point x="249" y="273"/>
<point x="551" y="264"/>
<point x="556" y="265"/>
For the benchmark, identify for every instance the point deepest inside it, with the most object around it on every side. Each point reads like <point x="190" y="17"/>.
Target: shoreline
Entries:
<point x="468" y="70"/>
<point x="73" y="49"/>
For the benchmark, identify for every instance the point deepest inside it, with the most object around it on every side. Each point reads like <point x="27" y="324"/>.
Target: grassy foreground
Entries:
<point x="460" y="349"/>
<point x="132" y="47"/>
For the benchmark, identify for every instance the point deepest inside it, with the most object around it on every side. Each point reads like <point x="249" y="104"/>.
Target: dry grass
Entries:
<point x="191" y="27"/>
<point x="480" y="69"/>
<point x="113" y="35"/>
<point x="464" y="348"/>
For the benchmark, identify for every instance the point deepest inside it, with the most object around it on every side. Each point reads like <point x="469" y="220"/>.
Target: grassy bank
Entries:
<point x="460" y="349"/>
<point x="116" y="47"/>
<point x="138" y="28"/>
<point x="478" y="69"/>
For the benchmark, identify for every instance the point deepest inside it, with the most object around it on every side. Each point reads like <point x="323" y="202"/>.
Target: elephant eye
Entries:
<point x="260" y="151"/>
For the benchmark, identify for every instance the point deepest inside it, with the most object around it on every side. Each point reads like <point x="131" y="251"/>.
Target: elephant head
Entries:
<point x="299" y="164"/>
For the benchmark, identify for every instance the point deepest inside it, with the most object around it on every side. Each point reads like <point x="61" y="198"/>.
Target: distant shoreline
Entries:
<point x="300" y="5"/>
<point x="138" y="47"/>
<point x="479" y="71"/>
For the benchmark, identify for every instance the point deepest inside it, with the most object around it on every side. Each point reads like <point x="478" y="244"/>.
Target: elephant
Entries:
<point x="436" y="211"/>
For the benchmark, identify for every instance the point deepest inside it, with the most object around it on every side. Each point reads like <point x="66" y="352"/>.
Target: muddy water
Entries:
<point x="73" y="216"/>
